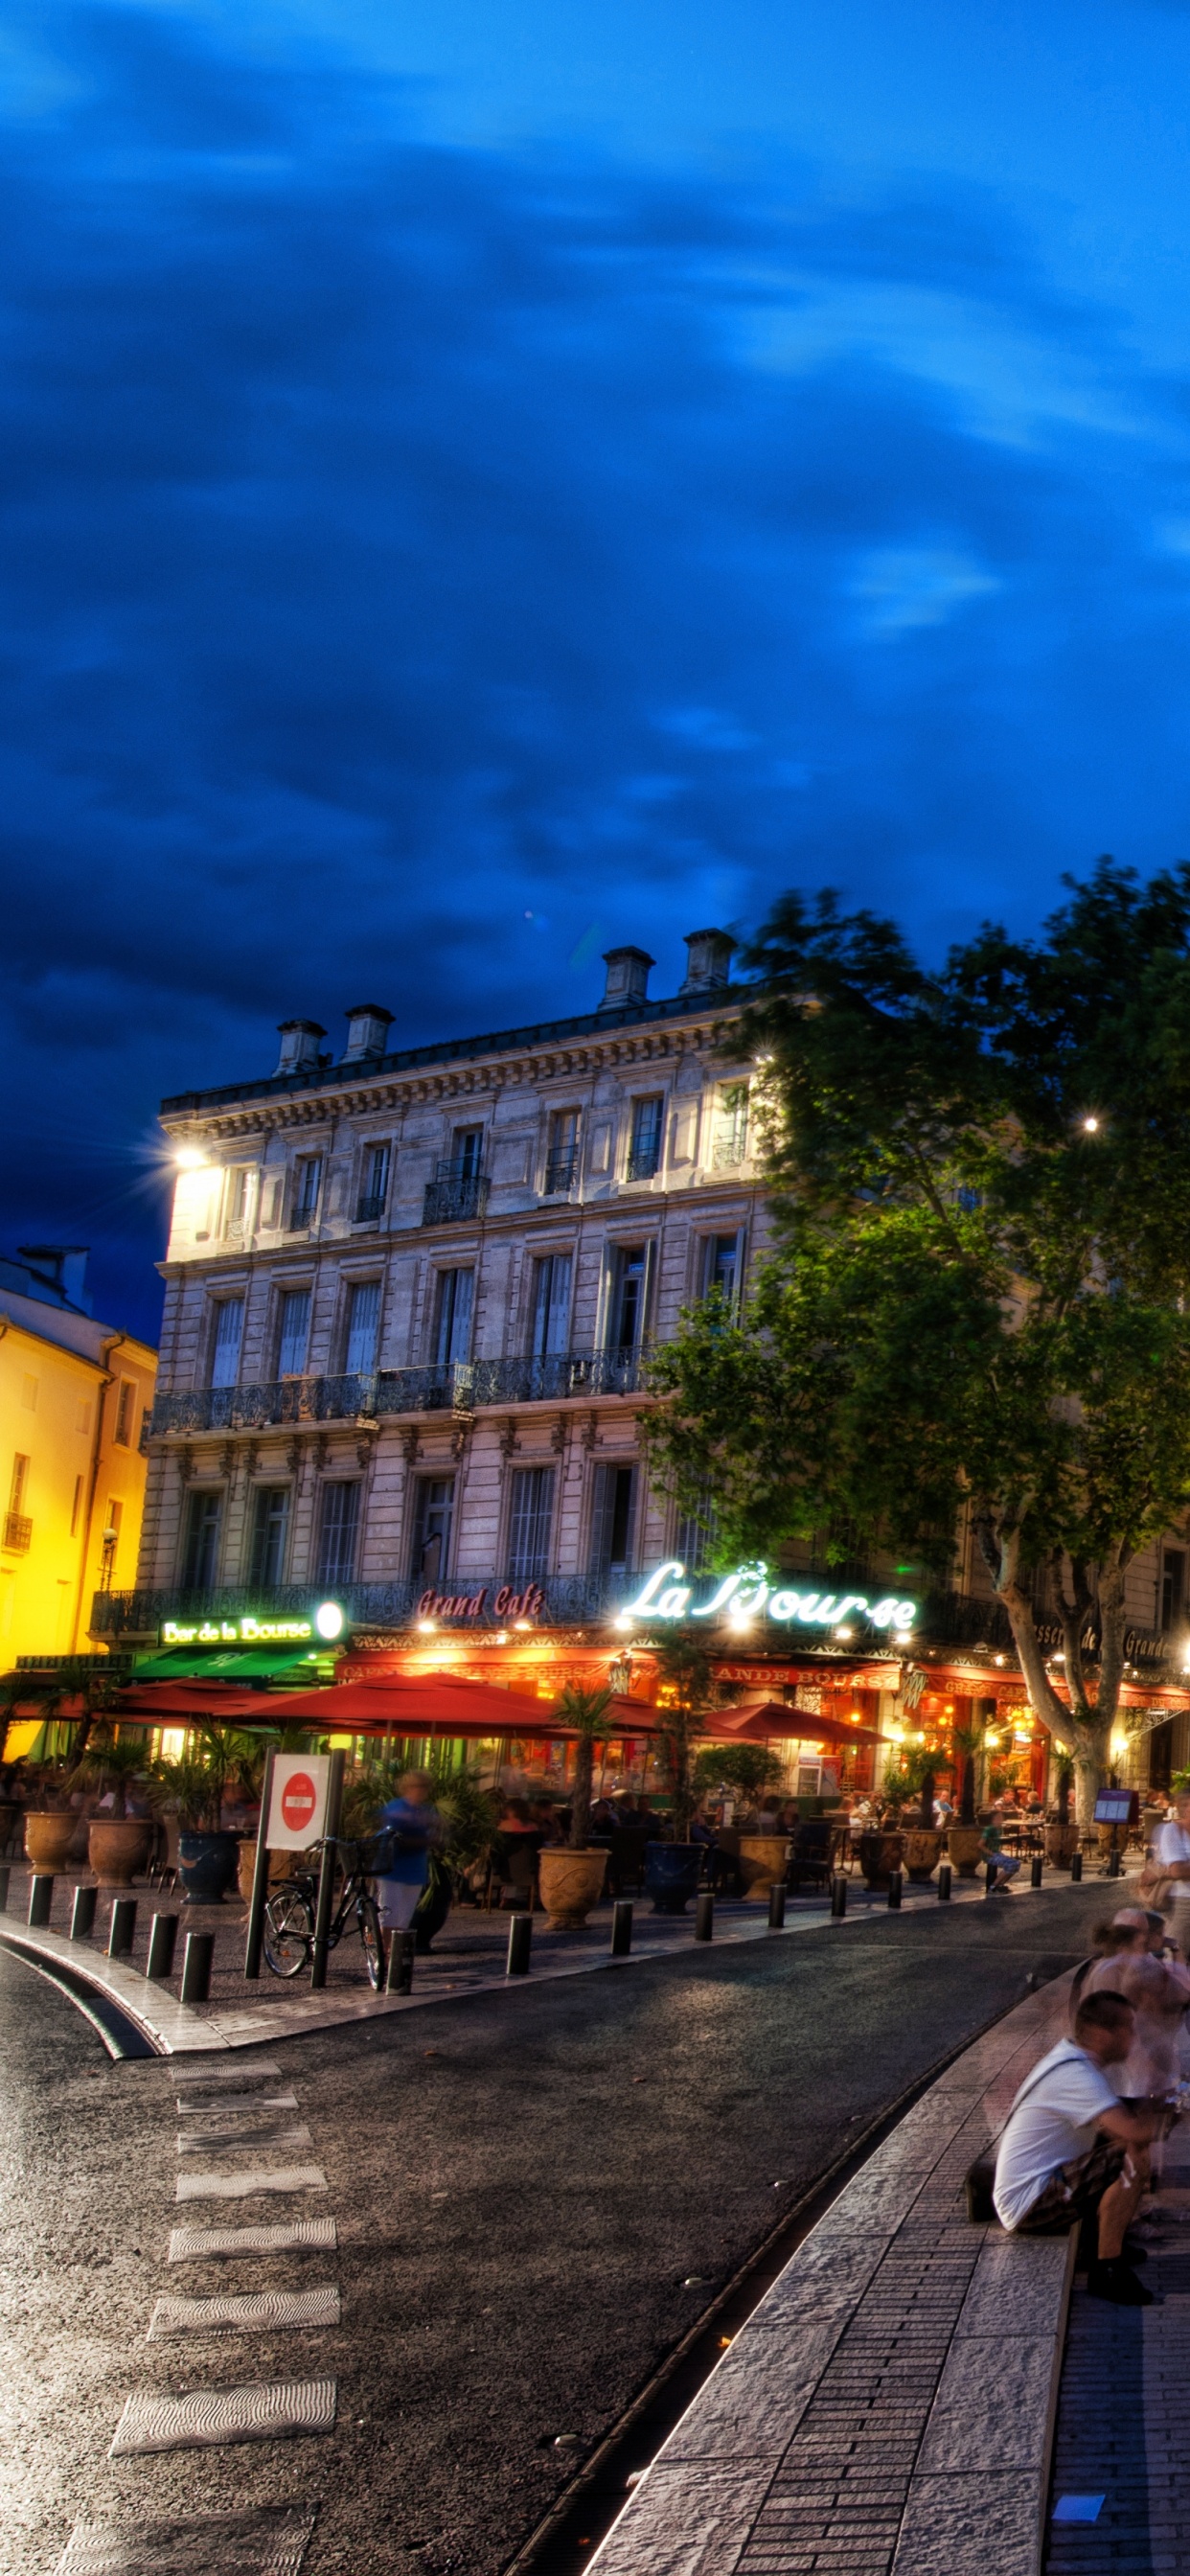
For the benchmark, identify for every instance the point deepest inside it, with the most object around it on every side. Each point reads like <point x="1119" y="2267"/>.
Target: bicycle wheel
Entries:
<point x="288" y="1931"/>
<point x="373" y="1941"/>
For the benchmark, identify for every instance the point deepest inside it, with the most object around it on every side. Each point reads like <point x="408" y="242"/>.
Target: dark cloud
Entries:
<point x="416" y="556"/>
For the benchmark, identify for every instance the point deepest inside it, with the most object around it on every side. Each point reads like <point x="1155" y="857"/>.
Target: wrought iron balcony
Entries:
<point x="729" y="1149"/>
<point x="18" y="1532"/>
<point x="643" y="1163"/>
<point x="454" y="1386"/>
<point x="457" y="1191"/>
<point x="368" y="1211"/>
<point x="568" y="1598"/>
<point x="560" y="1174"/>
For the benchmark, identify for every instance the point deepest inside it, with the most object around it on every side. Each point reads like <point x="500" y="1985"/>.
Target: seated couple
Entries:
<point x="1073" y="2147"/>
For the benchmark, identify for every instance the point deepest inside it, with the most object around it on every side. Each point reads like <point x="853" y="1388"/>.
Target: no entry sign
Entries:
<point x="297" y="1809"/>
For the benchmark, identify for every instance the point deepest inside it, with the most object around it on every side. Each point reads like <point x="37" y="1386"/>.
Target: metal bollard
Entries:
<point x="1035" y="1869"/>
<point x="1113" y="1864"/>
<point x="1076" y="1867"/>
<point x="3" y="1887"/>
<point x="82" y="1918"/>
<point x="41" y="1897"/>
<point x="991" y="1874"/>
<point x="704" y="1916"/>
<point x="163" y="1940"/>
<point x="399" y="1977"/>
<point x="121" y="1927"/>
<point x="621" y="1928"/>
<point x="520" y="1942"/>
<point x="838" y="1898"/>
<point x="196" y="1967"/>
<point x="944" y="1883"/>
<point x="895" y="1884"/>
<point x="777" y="1906"/>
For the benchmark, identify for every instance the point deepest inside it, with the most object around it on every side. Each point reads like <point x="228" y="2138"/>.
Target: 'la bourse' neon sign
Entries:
<point x="747" y="1592"/>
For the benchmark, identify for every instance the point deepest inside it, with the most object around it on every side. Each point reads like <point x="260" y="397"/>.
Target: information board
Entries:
<point x="297" y="1808"/>
<point x="1115" y="1807"/>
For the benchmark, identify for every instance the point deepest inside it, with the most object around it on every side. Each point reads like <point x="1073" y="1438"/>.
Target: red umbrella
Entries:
<point x="759" y="1725"/>
<point x="433" y="1704"/>
<point x="158" y="1703"/>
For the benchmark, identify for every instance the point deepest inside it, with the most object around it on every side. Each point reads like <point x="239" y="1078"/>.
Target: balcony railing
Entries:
<point x="643" y="1163"/>
<point x="560" y="1171"/>
<point x="454" y="1193"/>
<point x="369" y="1210"/>
<point x="18" y="1532"/>
<point x="568" y="1598"/>
<point x="454" y="1386"/>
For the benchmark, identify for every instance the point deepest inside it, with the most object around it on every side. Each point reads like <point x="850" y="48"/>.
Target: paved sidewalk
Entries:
<point x="468" y="1957"/>
<point x="876" y="2415"/>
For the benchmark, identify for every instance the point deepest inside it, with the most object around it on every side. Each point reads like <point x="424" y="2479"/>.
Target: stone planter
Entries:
<point x="923" y="1851"/>
<point x="208" y="1866"/>
<point x="879" y="1855"/>
<point x="671" y="1875"/>
<point x="47" y="1840"/>
<point x="764" y="1859"/>
<point x="1061" y="1844"/>
<point x="964" y="1849"/>
<point x="571" y="1882"/>
<point x="116" y="1846"/>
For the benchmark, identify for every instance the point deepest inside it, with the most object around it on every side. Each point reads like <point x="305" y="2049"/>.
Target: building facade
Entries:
<point x="76" y="1396"/>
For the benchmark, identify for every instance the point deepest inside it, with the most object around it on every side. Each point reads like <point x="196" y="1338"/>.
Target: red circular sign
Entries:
<point x="298" y="1801"/>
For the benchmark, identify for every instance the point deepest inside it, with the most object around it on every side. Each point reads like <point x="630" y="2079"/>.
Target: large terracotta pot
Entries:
<point x="47" y="1840"/>
<point x="923" y="1851"/>
<point x="879" y="1855"/>
<point x="281" y="1865"/>
<point x="764" y="1858"/>
<point x="118" y="1845"/>
<point x="964" y="1848"/>
<point x="571" y="1882"/>
<point x="1061" y="1844"/>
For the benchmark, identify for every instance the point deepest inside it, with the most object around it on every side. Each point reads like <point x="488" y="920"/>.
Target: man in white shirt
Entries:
<point x="1064" y="2149"/>
<point x="1172" y="1845"/>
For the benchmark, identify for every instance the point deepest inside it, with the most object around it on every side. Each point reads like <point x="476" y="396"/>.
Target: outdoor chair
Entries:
<point x="810" y="1853"/>
<point x="512" y="1864"/>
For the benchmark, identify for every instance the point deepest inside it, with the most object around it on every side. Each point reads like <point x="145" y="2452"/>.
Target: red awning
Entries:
<point x="429" y="1704"/>
<point x="166" y="1703"/>
<point x="774" y="1719"/>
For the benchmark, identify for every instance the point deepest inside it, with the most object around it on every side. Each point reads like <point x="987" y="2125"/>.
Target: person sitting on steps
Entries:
<point x="1065" y="2152"/>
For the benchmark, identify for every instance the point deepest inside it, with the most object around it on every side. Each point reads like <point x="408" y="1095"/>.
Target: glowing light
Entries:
<point x="190" y="1158"/>
<point x="522" y="1623"/>
<point x="328" y="1619"/>
<point x="426" y="1628"/>
<point x="665" y="1596"/>
<point x="1090" y="1126"/>
<point x="502" y="1636"/>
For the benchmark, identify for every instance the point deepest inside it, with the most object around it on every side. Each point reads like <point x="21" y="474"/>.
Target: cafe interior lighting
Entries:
<point x="427" y="1628"/>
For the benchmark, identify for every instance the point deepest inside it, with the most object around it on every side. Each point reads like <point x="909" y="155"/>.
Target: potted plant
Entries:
<point x="194" y="1789"/>
<point x="49" y="1826"/>
<point x="117" y="1845"/>
<point x="921" y="1840"/>
<point x="571" y="1879"/>
<point x="1061" y="1837"/>
<point x="964" y="1841"/>
<point x="672" y="1869"/>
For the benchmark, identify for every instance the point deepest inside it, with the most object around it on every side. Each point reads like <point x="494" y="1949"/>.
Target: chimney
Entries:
<point x="368" y="1025"/>
<point x="627" y="978"/>
<point x="299" y="1046"/>
<point x="62" y="1266"/>
<point x="708" y="960"/>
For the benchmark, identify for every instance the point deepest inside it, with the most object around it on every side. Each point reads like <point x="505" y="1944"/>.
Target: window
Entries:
<point x="731" y="1126"/>
<point x="561" y="1162"/>
<point x="613" y="1521"/>
<point x="124" y="1403"/>
<point x="294" y="1331"/>
<point x="109" y="1542"/>
<point x="200" y="1546"/>
<point x="369" y="1206"/>
<point x="76" y="1505"/>
<point x="270" y="1532"/>
<point x="307" y="1183"/>
<point x="18" y="1483"/>
<point x="363" y="1327"/>
<point x="529" y="1524"/>
<point x="433" y="1511"/>
<point x="467" y="1154"/>
<point x="722" y="1266"/>
<point x="18" y="1528"/>
<point x="237" y="1196"/>
<point x="550" y="1330"/>
<point x="1173" y="1588"/>
<point x="452" y="1321"/>
<point x="338" y="1530"/>
<point x="644" y="1149"/>
<point x="628" y="1300"/>
<point x="694" y="1535"/>
<point x="225" y="1342"/>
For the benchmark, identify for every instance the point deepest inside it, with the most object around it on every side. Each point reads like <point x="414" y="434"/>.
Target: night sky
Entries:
<point x="487" y="479"/>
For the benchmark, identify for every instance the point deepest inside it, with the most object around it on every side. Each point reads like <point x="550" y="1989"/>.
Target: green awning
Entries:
<point x="235" y="1664"/>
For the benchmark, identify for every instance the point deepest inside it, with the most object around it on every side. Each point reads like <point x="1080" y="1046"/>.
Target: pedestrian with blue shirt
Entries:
<point x="408" y="1828"/>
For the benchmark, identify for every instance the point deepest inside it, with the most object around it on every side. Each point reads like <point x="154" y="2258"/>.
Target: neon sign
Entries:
<point x="747" y="1592"/>
<point x="326" y="1621"/>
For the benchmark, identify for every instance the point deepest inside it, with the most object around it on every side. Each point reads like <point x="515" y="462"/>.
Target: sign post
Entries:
<point x="326" y="1875"/>
<point x="260" y="1875"/>
<point x="293" y="1811"/>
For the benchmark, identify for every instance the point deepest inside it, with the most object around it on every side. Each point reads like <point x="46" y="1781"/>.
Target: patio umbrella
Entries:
<point x="171" y="1703"/>
<point x="429" y="1704"/>
<point x="773" y="1718"/>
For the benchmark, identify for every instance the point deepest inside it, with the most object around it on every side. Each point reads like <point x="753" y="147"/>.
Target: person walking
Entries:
<point x="410" y="1826"/>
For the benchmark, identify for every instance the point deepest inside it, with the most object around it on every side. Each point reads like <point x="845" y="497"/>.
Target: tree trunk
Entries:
<point x="580" y="1796"/>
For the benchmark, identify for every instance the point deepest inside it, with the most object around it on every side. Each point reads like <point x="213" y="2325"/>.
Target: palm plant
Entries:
<point x="685" y="1669"/>
<point x="585" y="1711"/>
<point x="113" y="1762"/>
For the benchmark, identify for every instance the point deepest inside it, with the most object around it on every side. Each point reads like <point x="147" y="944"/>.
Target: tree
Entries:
<point x="978" y="1300"/>
<point x="749" y="1768"/>
<point x="685" y="1670"/>
<point x="586" y="1712"/>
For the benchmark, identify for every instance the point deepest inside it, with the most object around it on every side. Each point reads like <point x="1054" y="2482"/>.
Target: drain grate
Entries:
<point x="270" y="2541"/>
<point x="151" y="2422"/>
<point x="254" y="2312"/>
<point x="253" y="2178"/>
<point x="291" y="2236"/>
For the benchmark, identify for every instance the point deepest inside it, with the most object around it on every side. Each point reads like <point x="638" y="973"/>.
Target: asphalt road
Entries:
<point x="522" y="2184"/>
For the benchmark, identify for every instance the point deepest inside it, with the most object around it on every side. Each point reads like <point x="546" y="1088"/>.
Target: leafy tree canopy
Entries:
<point x="977" y="1301"/>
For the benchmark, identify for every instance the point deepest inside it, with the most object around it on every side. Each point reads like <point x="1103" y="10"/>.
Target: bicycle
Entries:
<point x="289" y="1917"/>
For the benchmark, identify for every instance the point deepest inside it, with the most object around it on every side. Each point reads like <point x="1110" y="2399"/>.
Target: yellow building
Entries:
<point x="74" y="1394"/>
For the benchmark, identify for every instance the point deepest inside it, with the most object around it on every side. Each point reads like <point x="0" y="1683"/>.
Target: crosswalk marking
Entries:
<point x="266" y="2540"/>
<point x="290" y="2236"/>
<point x="253" y="2178"/>
<point x="269" y="2133"/>
<point x="204" y="2071"/>
<point x="212" y="2416"/>
<point x="249" y="2312"/>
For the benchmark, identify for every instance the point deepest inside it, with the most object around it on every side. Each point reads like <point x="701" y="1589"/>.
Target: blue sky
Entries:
<point x="481" y="481"/>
